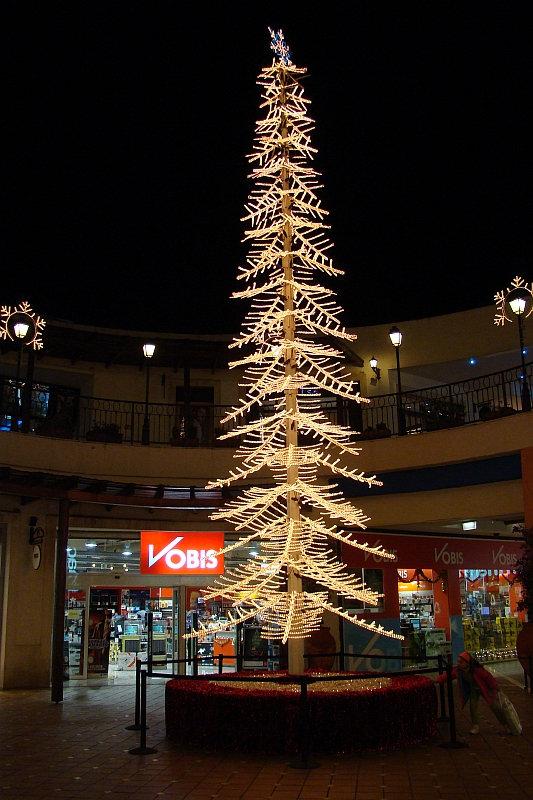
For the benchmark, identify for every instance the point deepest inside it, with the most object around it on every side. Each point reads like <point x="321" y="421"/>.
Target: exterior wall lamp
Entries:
<point x="374" y="366"/>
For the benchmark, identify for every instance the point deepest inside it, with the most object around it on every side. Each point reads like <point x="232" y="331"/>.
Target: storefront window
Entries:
<point x="372" y="579"/>
<point x="490" y="620"/>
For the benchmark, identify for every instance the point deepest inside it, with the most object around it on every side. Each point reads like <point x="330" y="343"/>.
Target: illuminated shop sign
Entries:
<point x="181" y="553"/>
<point x="436" y="553"/>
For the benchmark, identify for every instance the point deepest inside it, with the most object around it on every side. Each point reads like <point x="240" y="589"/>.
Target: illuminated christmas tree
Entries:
<point x="289" y="358"/>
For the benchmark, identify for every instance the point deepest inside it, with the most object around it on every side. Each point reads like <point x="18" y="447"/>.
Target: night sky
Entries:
<point x="127" y="127"/>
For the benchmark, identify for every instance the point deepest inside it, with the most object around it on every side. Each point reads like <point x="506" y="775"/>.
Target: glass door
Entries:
<point x="74" y="653"/>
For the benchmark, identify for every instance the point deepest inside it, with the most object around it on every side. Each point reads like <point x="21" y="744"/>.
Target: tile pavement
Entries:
<point x="79" y="750"/>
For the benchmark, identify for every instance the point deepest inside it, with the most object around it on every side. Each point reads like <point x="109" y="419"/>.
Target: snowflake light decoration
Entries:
<point x="501" y="299"/>
<point x="7" y="317"/>
<point x="290" y="358"/>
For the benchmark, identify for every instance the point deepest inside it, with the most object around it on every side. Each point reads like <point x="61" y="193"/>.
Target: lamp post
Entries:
<point x="20" y="329"/>
<point x="517" y="300"/>
<point x="396" y="339"/>
<point x="520" y="300"/>
<point x="148" y="350"/>
<point x="22" y="325"/>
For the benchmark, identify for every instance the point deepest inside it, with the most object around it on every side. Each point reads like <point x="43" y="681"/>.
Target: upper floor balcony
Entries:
<point x="62" y="412"/>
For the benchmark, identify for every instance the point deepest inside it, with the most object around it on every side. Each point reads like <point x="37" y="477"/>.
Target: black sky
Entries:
<point x="127" y="126"/>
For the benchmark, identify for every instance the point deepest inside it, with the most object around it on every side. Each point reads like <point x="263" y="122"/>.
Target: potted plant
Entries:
<point x="109" y="433"/>
<point x="486" y="412"/>
<point x="524" y="576"/>
<point x="178" y="440"/>
<point x="59" y="426"/>
<point x="379" y="432"/>
<point x="441" y="413"/>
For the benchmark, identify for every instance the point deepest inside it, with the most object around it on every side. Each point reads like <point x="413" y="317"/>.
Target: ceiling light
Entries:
<point x="470" y="526"/>
<point x="91" y="543"/>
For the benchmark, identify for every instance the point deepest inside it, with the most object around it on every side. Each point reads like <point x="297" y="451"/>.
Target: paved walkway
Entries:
<point x="79" y="749"/>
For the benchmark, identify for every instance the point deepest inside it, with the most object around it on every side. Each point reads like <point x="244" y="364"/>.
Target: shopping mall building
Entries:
<point x="96" y="450"/>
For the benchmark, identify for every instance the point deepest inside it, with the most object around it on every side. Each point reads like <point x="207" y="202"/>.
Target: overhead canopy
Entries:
<point x="38" y="485"/>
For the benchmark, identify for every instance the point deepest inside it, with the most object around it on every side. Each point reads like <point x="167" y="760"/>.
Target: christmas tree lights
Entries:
<point x="289" y="359"/>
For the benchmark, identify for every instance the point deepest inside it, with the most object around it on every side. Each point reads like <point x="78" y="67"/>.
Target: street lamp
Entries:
<point x="20" y="330"/>
<point x="21" y="325"/>
<point x="148" y="350"/>
<point x="396" y="339"/>
<point x="520" y="300"/>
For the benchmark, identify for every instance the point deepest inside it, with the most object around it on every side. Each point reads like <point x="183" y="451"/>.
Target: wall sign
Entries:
<point x="181" y="553"/>
<point x="435" y="553"/>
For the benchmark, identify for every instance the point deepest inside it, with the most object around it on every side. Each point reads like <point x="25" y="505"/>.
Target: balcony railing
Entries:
<point x="56" y="411"/>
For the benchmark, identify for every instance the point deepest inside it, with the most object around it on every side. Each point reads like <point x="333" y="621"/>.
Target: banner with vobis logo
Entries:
<point x="436" y="552"/>
<point x="181" y="553"/>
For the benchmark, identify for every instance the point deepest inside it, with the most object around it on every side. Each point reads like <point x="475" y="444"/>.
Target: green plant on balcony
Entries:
<point x="109" y="433"/>
<point x="441" y="412"/>
<point x="59" y="426"/>
<point x="381" y="431"/>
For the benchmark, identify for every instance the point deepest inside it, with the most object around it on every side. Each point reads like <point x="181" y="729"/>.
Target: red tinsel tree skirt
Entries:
<point x="220" y="715"/>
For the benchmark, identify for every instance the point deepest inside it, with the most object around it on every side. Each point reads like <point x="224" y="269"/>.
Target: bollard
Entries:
<point x="137" y="725"/>
<point x="220" y="663"/>
<point x="303" y="761"/>
<point x="442" y="698"/>
<point x="150" y="621"/>
<point x="238" y="645"/>
<point x="143" y="750"/>
<point x="453" y="744"/>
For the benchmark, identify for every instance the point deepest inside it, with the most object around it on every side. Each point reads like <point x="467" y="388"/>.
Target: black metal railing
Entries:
<point x="61" y="412"/>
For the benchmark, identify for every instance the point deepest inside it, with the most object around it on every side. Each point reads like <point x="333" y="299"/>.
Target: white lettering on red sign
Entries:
<point x="505" y="559"/>
<point x="377" y="558"/>
<point x="448" y="557"/>
<point x="176" y="559"/>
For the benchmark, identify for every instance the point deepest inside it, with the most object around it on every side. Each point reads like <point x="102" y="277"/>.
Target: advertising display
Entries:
<point x="181" y="553"/>
<point x="436" y="552"/>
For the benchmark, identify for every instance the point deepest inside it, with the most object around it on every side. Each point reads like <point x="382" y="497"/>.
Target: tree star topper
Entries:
<point x="290" y="360"/>
<point x="280" y="46"/>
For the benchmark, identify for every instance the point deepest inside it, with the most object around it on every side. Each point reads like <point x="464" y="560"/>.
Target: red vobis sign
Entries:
<point x="181" y="553"/>
<point x="434" y="552"/>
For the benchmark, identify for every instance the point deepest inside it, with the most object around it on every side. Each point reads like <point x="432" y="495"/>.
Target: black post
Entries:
<point x="504" y="392"/>
<point x="137" y="724"/>
<point x="143" y="750"/>
<point x="58" y="633"/>
<point x="453" y="744"/>
<point x="195" y="645"/>
<point x="220" y="663"/>
<point x="150" y="623"/>
<point x="146" y="424"/>
<point x="526" y="396"/>
<point x="238" y="645"/>
<point x="304" y="762"/>
<point x="402" y="429"/>
<point x="15" y="412"/>
<point x="443" y="717"/>
<point x="132" y="421"/>
<point x="27" y="393"/>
